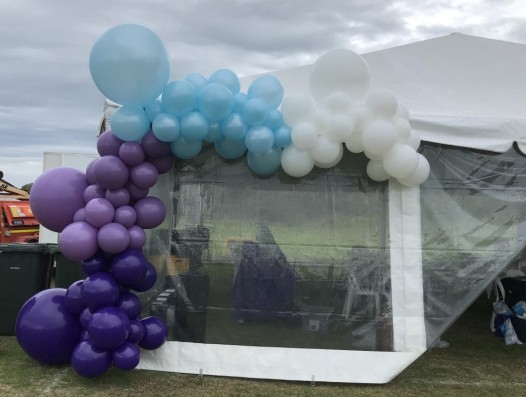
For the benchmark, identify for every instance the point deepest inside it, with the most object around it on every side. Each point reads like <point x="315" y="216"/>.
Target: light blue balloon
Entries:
<point x="266" y="163"/>
<point x="179" y="97"/>
<point x="282" y="136"/>
<point x="166" y="127"/>
<point x="230" y="149"/>
<point x="194" y="127"/>
<point x="184" y="149"/>
<point x="240" y="99"/>
<point x="130" y="123"/>
<point x="197" y="79"/>
<point x="215" y="101"/>
<point x="234" y="126"/>
<point x="259" y="139"/>
<point x="274" y="119"/>
<point x="153" y="109"/>
<point x="255" y="111"/>
<point x="227" y="78"/>
<point x="129" y="65"/>
<point x="267" y="88"/>
<point x="214" y="133"/>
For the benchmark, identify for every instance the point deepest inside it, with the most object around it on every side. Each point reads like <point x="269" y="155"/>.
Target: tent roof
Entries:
<point x="460" y="90"/>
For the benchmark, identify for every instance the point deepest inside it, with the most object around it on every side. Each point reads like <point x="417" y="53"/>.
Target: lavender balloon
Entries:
<point x="118" y="197"/>
<point x="100" y="289"/>
<point x="108" y="144"/>
<point x="153" y="147"/>
<point x="129" y="267"/>
<point x="137" y="237"/>
<point x="110" y="172"/>
<point x="136" y="193"/>
<point x="89" y="360"/>
<point x="126" y="216"/>
<point x="126" y="356"/>
<point x="144" y="175"/>
<point x="113" y="238"/>
<point x="90" y="176"/>
<point x="99" y="212"/>
<point x="93" y="191"/>
<point x="150" y="212"/>
<point x="155" y="333"/>
<point x="78" y="241"/>
<point x="131" y="153"/>
<point x="163" y="163"/>
<point x="109" y="327"/>
<point x="80" y="215"/>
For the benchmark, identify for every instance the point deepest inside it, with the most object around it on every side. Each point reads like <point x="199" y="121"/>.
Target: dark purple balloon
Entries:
<point x="90" y="176"/>
<point x="131" y="153"/>
<point x="163" y="163"/>
<point x="73" y="298"/>
<point x="118" y="197"/>
<point x="100" y="289"/>
<point x="127" y="356"/>
<point x="80" y="215"/>
<point x="136" y="193"/>
<point x="136" y="331"/>
<point x="85" y="317"/>
<point x="108" y="144"/>
<point x="155" y="333"/>
<point x="144" y="175"/>
<point x="111" y="173"/>
<point x="84" y="336"/>
<point x="137" y="237"/>
<point x="93" y="191"/>
<point x="78" y="241"/>
<point x="126" y="216"/>
<point x="99" y="212"/>
<point x="150" y="212"/>
<point x="94" y="264"/>
<point x="109" y="327"/>
<point x="56" y="195"/>
<point x="130" y="304"/>
<point x="148" y="281"/>
<point x="89" y="360"/>
<point x="153" y="147"/>
<point x="113" y="238"/>
<point x="46" y="330"/>
<point x="129" y="267"/>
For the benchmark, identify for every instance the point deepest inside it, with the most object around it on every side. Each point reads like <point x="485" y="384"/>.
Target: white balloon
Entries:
<point x="378" y="137"/>
<point x="320" y="119"/>
<point x="338" y="102"/>
<point x="382" y="102"/>
<point x="304" y="135"/>
<point x="341" y="127"/>
<point x="354" y="142"/>
<point x="403" y="129"/>
<point x="418" y="176"/>
<point x="339" y="70"/>
<point x="400" y="161"/>
<point x="372" y="156"/>
<point x="331" y="164"/>
<point x="325" y="150"/>
<point x="296" y="162"/>
<point x="376" y="171"/>
<point x="413" y="140"/>
<point x="296" y="108"/>
<point x="403" y="112"/>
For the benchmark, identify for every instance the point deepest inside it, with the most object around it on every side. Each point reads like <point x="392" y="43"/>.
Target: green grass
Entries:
<point x="476" y="364"/>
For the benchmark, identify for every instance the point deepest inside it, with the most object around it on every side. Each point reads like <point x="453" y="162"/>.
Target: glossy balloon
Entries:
<point x="130" y="123"/>
<point x="166" y="127"/>
<point x="99" y="290"/>
<point x="89" y="360"/>
<point x="155" y="333"/>
<point x="127" y="356"/>
<point x="136" y="331"/>
<point x="129" y="267"/>
<point x="130" y="304"/>
<point x="148" y="281"/>
<point x="94" y="264"/>
<point x="73" y="298"/>
<point x="215" y="101"/>
<point x="227" y="78"/>
<point x="179" y="97"/>
<point x="194" y="127"/>
<point x="268" y="88"/>
<point x="109" y="327"/>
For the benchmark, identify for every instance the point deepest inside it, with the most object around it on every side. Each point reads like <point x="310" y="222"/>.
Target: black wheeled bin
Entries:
<point x="25" y="269"/>
<point x="66" y="270"/>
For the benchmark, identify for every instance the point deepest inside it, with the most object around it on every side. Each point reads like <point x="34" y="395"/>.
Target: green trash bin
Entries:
<point x="25" y="269"/>
<point x="66" y="270"/>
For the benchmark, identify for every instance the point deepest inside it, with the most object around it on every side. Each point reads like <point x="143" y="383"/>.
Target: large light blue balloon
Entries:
<point x="234" y="126"/>
<point x="194" y="127"/>
<point x="179" y="97"/>
<point x="184" y="149"/>
<point x="227" y="78"/>
<point x="255" y="111"/>
<point x="266" y="163"/>
<point x="129" y="123"/>
<point x="230" y="149"/>
<point x="267" y="88"/>
<point x="129" y="65"/>
<point x="282" y="136"/>
<point x="165" y="127"/>
<point x="215" y="101"/>
<point x="259" y="139"/>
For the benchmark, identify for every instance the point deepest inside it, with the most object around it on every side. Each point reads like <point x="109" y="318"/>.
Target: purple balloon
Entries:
<point x="93" y="191"/>
<point x="78" y="241"/>
<point x="94" y="264"/>
<point x="113" y="238"/>
<point x="85" y="317"/>
<point x="73" y="298"/>
<point x="90" y="176"/>
<point x="108" y="144"/>
<point x="153" y="147"/>
<point x="118" y="197"/>
<point x="89" y="360"/>
<point x="109" y="327"/>
<point x="111" y="173"/>
<point x="137" y="237"/>
<point x="136" y="193"/>
<point x="126" y="216"/>
<point x="80" y="215"/>
<point x="155" y="333"/>
<point x="129" y="267"/>
<point x="84" y="336"/>
<point x="46" y="330"/>
<point x="150" y="212"/>
<point x="163" y="163"/>
<point x="148" y="281"/>
<point x="126" y="357"/>
<point x="144" y="175"/>
<point x="136" y="331"/>
<point x="130" y="304"/>
<point x="131" y="153"/>
<point x="100" y="289"/>
<point x="56" y="195"/>
<point x="99" y="212"/>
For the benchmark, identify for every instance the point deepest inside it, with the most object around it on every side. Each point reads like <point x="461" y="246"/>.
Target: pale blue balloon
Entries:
<point x="166" y="127"/>
<point x="234" y="126"/>
<point x="214" y="133"/>
<point x="129" y="123"/>
<point x="184" y="149"/>
<point x="227" y="78"/>
<point x="267" y="88"/>
<point x="153" y="109"/>
<point x="215" y="101"/>
<point x="230" y="149"/>
<point x="179" y="97"/>
<point x="265" y="163"/>
<point x="282" y="136"/>
<point x="274" y="119"/>
<point x="240" y="99"/>
<point x="129" y="65"/>
<point x="255" y="111"/>
<point x="197" y="79"/>
<point x="194" y="127"/>
<point x="259" y="139"/>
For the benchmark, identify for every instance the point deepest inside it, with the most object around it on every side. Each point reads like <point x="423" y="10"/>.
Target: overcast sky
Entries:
<point x="48" y="101"/>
